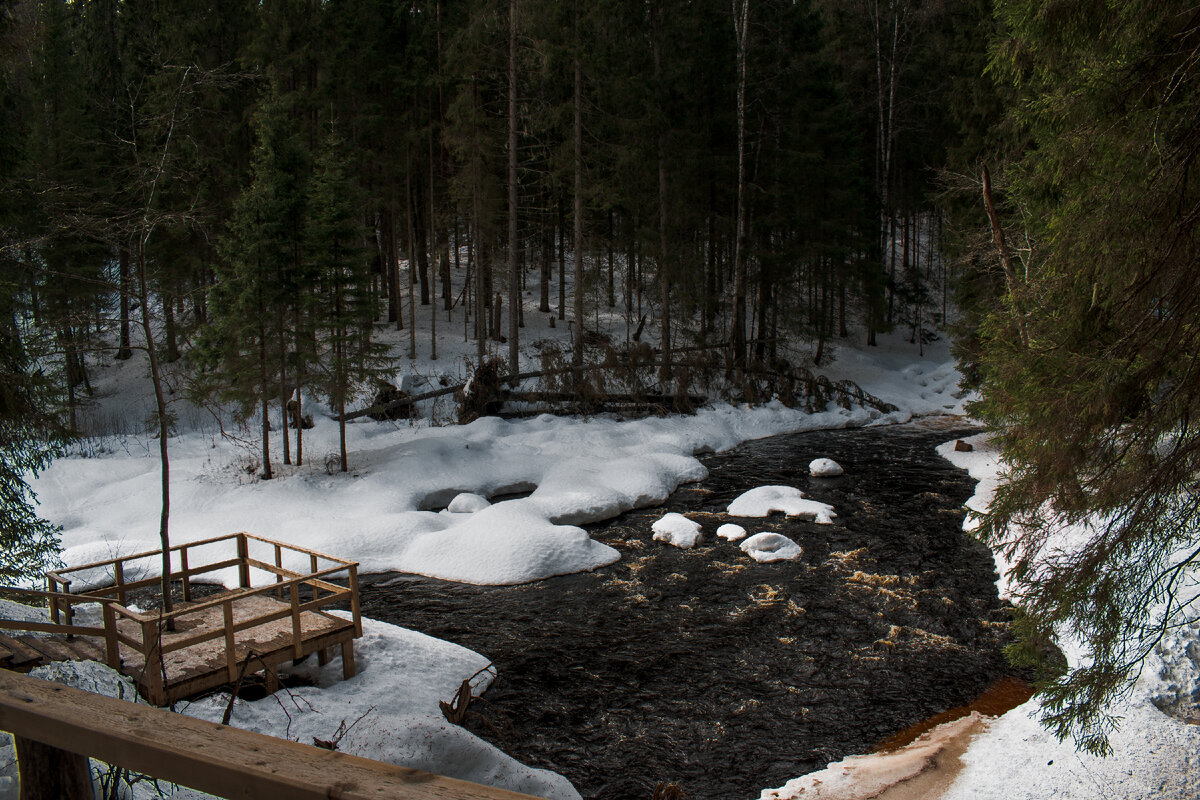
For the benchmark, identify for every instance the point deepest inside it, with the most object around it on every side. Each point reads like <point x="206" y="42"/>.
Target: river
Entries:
<point x="726" y="676"/>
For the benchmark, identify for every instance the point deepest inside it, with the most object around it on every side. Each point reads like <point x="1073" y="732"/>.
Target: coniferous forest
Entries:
<point x="253" y="192"/>
<point x="730" y="177"/>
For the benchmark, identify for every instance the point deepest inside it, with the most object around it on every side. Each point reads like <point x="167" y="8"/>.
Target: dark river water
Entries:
<point x="726" y="676"/>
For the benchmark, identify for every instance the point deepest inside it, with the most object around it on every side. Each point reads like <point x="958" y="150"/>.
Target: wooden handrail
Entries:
<point x="57" y="575"/>
<point x="298" y="549"/>
<point x="218" y="759"/>
<point x="269" y="588"/>
<point x="50" y="627"/>
<point x="71" y="598"/>
<point x="150" y="627"/>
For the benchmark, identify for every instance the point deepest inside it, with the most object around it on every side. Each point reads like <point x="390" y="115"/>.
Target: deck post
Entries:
<point x="348" y="659"/>
<point x="183" y="566"/>
<point x="243" y="554"/>
<point x="230" y="651"/>
<point x="66" y="589"/>
<point x="355" y="610"/>
<point x="52" y="586"/>
<point x="271" y="675"/>
<point x="119" y="575"/>
<point x="50" y="773"/>
<point x="279" y="566"/>
<point x="112" y="651"/>
<point x="297" y="631"/>
<point x="152" y="671"/>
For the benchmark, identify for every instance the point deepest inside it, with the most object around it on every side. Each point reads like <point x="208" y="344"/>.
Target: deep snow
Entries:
<point x="390" y="513"/>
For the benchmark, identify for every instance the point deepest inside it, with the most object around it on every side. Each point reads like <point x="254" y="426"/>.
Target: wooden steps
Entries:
<point x="23" y="653"/>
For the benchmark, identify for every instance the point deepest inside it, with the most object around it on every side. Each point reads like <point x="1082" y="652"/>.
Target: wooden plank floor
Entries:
<point x="201" y="666"/>
<point x="23" y="653"/>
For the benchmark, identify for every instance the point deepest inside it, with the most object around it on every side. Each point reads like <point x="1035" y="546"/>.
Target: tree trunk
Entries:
<point x="547" y="249"/>
<point x="410" y="213"/>
<point x="387" y="222"/>
<point x="497" y="316"/>
<point x="283" y="391"/>
<point x="160" y="407"/>
<point x="421" y="244"/>
<point x="577" y="353"/>
<point x="562" y="260"/>
<point x="612" y="281"/>
<point x="514" y="265"/>
<point x="297" y="394"/>
<point x="124" y="350"/>
<point x="630" y="266"/>
<point x="664" y="277"/>
<point x="741" y="19"/>
<point x="172" y="354"/>
<point x="436" y="249"/>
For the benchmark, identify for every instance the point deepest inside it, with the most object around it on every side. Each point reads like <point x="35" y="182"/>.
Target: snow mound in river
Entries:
<point x="767" y="547"/>
<point x="676" y="529"/>
<point x="762" y="500"/>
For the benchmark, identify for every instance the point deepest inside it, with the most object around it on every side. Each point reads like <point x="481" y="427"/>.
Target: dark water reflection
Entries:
<point x="703" y="667"/>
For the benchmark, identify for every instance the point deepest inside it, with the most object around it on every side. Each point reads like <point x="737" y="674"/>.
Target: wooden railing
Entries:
<point x="109" y="583"/>
<point x="70" y="725"/>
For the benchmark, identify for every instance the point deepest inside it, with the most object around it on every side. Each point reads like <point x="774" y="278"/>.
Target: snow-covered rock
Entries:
<point x="90" y="676"/>
<point x="762" y="500"/>
<point x="731" y="532"/>
<point x="22" y="613"/>
<point x="506" y="543"/>
<point x="825" y="468"/>
<point x="676" y="529"/>
<point x="467" y="503"/>
<point x="767" y="547"/>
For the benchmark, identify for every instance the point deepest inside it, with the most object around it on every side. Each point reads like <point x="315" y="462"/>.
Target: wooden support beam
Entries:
<point x="243" y="554"/>
<point x="48" y="773"/>
<point x="217" y="759"/>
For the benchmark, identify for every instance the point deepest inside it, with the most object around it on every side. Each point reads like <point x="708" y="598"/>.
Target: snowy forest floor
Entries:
<point x="389" y="513"/>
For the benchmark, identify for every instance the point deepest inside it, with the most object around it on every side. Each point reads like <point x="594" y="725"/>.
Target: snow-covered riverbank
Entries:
<point x="383" y="513"/>
<point x="1155" y="754"/>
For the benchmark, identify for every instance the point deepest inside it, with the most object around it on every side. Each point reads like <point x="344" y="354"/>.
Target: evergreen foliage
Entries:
<point x="336" y="245"/>
<point x="260" y="282"/>
<point x="1087" y="346"/>
<point x="173" y="164"/>
<point x="29" y="437"/>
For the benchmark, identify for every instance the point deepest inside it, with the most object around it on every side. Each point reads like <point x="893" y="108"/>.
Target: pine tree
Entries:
<point x="336" y="246"/>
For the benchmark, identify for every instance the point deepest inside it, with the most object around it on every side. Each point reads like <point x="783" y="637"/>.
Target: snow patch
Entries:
<point x="731" y="532"/>
<point x="22" y="613"/>
<point x="767" y="547"/>
<point x="869" y="776"/>
<point x="506" y="543"/>
<point x="676" y="529"/>
<point x="825" y="468"/>
<point x="467" y="503"/>
<point x="762" y="500"/>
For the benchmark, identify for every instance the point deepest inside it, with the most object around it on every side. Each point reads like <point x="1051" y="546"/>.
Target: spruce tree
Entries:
<point x="1087" y="347"/>
<point x="243" y="352"/>
<point x="335" y="244"/>
<point x="30" y="436"/>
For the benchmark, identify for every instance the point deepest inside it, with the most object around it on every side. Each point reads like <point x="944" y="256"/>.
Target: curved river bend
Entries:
<point x="705" y="668"/>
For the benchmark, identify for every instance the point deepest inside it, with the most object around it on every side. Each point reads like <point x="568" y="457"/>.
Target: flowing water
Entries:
<point x="705" y="668"/>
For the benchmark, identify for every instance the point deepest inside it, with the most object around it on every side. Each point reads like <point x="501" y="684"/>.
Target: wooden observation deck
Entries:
<point x="279" y="612"/>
